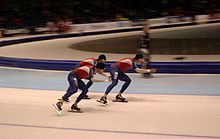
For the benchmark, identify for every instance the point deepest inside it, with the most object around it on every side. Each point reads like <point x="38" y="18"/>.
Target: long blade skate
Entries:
<point x="57" y="110"/>
<point x="102" y="102"/>
<point x="116" y="100"/>
<point x="75" y="111"/>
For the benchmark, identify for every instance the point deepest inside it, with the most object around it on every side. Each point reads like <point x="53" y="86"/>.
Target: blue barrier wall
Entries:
<point x="66" y="65"/>
<point x="162" y="67"/>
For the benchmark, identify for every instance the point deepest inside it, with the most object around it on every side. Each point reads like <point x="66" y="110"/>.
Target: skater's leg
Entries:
<point x="89" y="84"/>
<point x="72" y="87"/>
<point x="84" y="89"/>
<point x="103" y="99"/>
<point x="112" y="85"/>
<point x="69" y="89"/>
<point x="114" y="76"/>
<point x="126" y="79"/>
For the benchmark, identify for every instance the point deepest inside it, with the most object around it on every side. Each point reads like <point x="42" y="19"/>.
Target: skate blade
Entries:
<point x="57" y="110"/>
<point x="86" y="98"/>
<point x="125" y="101"/>
<point x="102" y="102"/>
<point x="75" y="111"/>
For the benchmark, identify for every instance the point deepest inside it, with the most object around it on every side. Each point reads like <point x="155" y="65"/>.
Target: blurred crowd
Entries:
<point x="18" y="13"/>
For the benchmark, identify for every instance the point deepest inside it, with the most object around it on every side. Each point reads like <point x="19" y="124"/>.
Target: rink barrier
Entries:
<point x="26" y="39"/>
<point x="67" y="65"/>
<point x="58" y="36"/>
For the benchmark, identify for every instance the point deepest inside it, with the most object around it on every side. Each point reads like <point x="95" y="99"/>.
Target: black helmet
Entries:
<point x="100" y="65"/>
<point x="102" y="57"/>
<point x="138" y="56"/>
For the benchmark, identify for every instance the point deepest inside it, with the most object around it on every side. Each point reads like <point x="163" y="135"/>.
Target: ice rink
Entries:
<point x="168" y="106"/>
<point x="29" y="114"/>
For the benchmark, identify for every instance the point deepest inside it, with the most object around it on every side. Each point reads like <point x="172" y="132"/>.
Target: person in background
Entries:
<point x="144" y="48"/>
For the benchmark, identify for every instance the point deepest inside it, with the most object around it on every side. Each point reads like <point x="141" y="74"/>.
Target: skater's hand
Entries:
<point x="107" y="80"/>
<point x="110" y="78"/>
<point x="153" y="70"/>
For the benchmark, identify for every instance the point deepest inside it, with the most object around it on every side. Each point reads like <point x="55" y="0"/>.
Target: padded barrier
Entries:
<point x="65" y="65"/>
<point x="162" y="67"/>
<point x="56" y="36"/>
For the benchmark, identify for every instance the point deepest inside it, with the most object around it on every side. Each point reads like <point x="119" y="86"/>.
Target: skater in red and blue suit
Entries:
<point x="89" y="62"/>
<point x="118" y="73"/>
<point x="92" y="61"/>
<point x="75" y="82"/>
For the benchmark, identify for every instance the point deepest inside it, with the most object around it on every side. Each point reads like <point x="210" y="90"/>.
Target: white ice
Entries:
<point x="29" y="114"/>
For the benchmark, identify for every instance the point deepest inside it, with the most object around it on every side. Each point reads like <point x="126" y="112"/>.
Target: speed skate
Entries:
<point x="75" y="111"/>
<point x="116" y="100"/>
<point x="102" y="102"/>
<point x="57" y="110"/>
